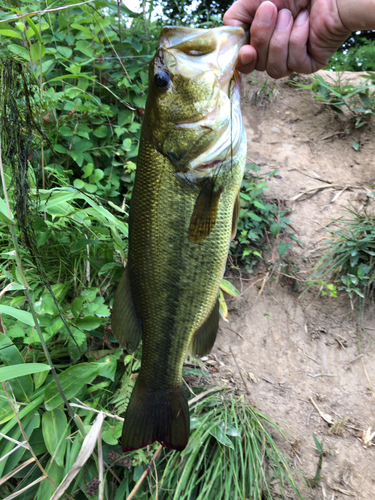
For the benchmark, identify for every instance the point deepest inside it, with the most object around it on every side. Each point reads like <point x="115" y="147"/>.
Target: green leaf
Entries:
<point x="101" y="131"/>
<point x="218" y="433"/>
<point x="4" y="213"/>
<point x="283" y="248"/>
<point x="366" y="101"/>
<point x="55" y="432"/>
<point x="40" y="378"/>
<point x="258" y="204"/>
<point x="23" y="387"/>
<point x="232" y="431"/>
<point x="124" y="117"/>
<point x="97" y="175"/>
<point x="136" y="44"/>
<point x="88" y="323"/>
<point x="319" y="446"/>
<point x="355" y="145"/>
<point x="10" y="33"/>
<point x="37" y="51"/>
<point x="29" y="424"/>
<point x="111" y="433"/>
<point x="71" y="381"/>
<point x="60" y="149"/>
<point x="46" y="489"/>
<point x="108" y="369"/>
<point x="23" y="316"/>
<point x="275" y="228"/>
<point x="14" y="371"/>
<point x="229" y="288"/>
<point x="127" y="144"/>
<point x="87" y="169"/>
<point x="254" y="217"/>
<point x="65" y="51"/>
<point x="35" y="29"/>
<point x="77" y="157"/>
<point x="91" y="188"/>
<point x="85" y="48"/>
<point x="82" y="145"/>
<point x="83" y="243"/>
<point x="20" y="51"/>
<point x="66" y="131"/>
<point x="79" y="183"/>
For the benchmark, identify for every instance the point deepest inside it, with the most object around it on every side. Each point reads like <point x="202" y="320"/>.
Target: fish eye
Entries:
<point x="162" y="78"/>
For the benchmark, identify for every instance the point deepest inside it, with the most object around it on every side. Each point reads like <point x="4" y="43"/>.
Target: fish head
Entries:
<point x="193" y="112"/>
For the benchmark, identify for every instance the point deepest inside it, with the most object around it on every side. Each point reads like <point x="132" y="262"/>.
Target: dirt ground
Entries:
<point x="300" y="355"/>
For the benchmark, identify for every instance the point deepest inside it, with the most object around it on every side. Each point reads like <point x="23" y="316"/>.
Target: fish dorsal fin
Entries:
<point x="204" y="338"/>
<point x="204" y="215"/>
<point x="236" y="213"/>
<point x="125" y="325"/>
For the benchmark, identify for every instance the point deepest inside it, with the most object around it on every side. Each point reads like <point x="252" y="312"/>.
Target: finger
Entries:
<point x="247" y="59"/>
<point x="299" y="59"/>
<point x="241" y="12"/>
<point x="277" y="62"/>
<point x="261" y="32"/>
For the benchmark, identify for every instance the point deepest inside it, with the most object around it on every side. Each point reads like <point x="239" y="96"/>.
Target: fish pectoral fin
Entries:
<point x="236" y="213"/>
<point x="156" y="415"/>
<point x="125" y="325"/>
<point x="204" y="214"/>
<point x="204" y="338"/>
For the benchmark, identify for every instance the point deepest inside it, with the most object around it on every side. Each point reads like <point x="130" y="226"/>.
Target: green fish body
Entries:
<point x="183" y="212"/>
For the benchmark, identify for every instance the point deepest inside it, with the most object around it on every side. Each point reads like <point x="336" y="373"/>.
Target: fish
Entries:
<point x="183" y="215"/>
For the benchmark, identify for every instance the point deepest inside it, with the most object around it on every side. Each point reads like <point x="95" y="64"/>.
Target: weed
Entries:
<point x="348" y="257"/>
<point x="264" y="92"/>
<point x="231" y="454"/>
<point x="357" y="101"/>
<point x="317" y="478"/>
<point x="259" y="221"/>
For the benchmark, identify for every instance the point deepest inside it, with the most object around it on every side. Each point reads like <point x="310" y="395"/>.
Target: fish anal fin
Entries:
<point x="204" y="214"/>
<point x="156" y="415"/>
<point x="236" y="213"/>
<point x="125" y="325"/>
<point x="204" y="338"/>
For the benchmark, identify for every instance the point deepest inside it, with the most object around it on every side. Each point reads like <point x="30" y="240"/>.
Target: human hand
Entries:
<point x="288" y="35"/>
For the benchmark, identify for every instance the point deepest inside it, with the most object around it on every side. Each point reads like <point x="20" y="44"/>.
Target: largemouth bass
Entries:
<point x="183" y="212"/>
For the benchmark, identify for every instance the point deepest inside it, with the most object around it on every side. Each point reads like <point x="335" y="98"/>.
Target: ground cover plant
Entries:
<point x="262" y="223"/>
<point x="73" y="90"/>
<point x="347" y="260"/>
<point x="357" y="101"/>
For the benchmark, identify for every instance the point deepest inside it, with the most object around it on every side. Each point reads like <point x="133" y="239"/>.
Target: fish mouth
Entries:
<point x="190" y="53"/>
<point x="226" y="120"/>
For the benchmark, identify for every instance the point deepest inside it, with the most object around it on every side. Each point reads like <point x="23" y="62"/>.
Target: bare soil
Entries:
<point x="292" y="350"/>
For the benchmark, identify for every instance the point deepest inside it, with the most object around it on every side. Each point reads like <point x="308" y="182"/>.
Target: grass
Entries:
<point x="231" y="455"/>
<point x="348" y="257"/>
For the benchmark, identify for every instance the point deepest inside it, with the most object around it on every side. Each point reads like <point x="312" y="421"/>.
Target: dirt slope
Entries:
<point x="298" y="349"/>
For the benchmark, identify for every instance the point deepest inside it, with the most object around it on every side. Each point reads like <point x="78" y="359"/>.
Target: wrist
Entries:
<point x="357" y="14"/>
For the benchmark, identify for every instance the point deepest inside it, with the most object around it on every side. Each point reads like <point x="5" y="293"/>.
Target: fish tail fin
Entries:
<point x="156" y="415"/>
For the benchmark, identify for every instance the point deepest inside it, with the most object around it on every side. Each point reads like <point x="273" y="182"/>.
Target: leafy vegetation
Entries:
<point x="259" y="222"/>
<point x="356" y="101"/>
<point x="347" y="262"/>
<point x="357" y="54"/>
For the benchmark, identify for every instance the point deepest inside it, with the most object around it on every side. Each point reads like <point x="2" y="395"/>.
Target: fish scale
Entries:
<point x="180" y="227"/>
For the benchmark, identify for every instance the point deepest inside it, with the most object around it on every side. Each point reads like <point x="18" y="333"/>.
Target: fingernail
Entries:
<point x="302" y="17"/>
<point x="265" y="16"/>
<point x="283" y="19"/>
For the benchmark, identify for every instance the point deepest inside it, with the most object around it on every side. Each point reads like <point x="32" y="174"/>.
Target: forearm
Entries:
<point x="357" y="14"/>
